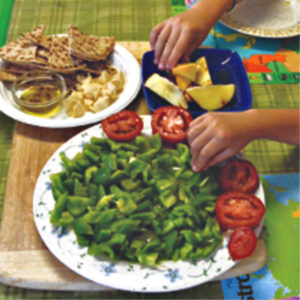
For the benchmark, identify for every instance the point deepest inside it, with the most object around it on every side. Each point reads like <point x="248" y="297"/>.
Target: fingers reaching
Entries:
<point x="215" y="137"/>
<point x="181" y="46"/>
<point x="201" y="158"/>
<point x="155" y="33"/>
<point x="161" y="43"/>
<point x="170" y="49"/>
<point x="196" y="127"/>
<point x="220" y="157"/>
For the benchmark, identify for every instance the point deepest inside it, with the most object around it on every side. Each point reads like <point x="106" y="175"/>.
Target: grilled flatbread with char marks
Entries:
<point x="17" y="68"/>
<point x="36" y="35"/>
<point x="89" y="47"/>
<point x="59" y="58"/>
<point x="5" y="76"/>
<point x="21" y="51"/>
<point x="36" y="51"/>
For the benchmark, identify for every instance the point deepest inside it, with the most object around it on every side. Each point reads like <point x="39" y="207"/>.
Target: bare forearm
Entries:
<point x="280" y="125"/>
<point x="214" y="10"/>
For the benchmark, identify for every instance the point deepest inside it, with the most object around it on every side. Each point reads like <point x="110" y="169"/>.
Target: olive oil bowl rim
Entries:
<point x="34" y="75"/>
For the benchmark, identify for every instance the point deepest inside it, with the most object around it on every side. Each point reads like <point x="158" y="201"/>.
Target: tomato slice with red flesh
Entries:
<point x="239" y="209"/>
<point x="242" y="243"/>
<point x="171" y="123"/>
<point x="123" y="126"/>
<point x="239" y="175"/>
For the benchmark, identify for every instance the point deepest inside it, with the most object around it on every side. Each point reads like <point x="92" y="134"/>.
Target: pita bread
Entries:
<point x="59" y="58"/>
<point x="35" y="51"/>
<point x="7" y="76"/>
<point x="43" y="53"/>
<point x="20" y="51"/>
<point x="70" y="80"/>
<point x="62" y="70"/>
<point x="89" y="47"/>
<point x="36" y="35"/>
<point x="17" y="69"/>
<point x="95" y="67"/>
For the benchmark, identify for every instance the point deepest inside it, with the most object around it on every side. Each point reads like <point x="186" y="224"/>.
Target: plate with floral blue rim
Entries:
<point x="168" y="276"/>
<point x="225" y="67"/>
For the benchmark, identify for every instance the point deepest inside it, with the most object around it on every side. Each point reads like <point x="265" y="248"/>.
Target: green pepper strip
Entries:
<point x="91" y="155"/>
<point x="102" y="175"/>
<point x="201" y="198"/>
<point x="102" y="250"/>
<point x="57" y="181"/>
<point x="170" y="241"/>
<point x="68" y="164"/>
<point x="77" y="205"/>
<point x="59" y="208"/>
<point x="82" y="227"/>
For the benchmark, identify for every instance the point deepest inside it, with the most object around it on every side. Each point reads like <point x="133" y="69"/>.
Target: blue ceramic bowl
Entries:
<point x="225" y="67"/>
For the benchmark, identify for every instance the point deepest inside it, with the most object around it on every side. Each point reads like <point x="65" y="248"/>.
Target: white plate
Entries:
<point x="121" y="58"/>
<point x="265" y="18"/>
<point x="169" y="276"/>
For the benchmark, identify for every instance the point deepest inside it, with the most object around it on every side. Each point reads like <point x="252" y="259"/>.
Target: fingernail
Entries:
<point x="155" y="61"/>
<point x="161" y="66"/>
<point x="194" y="168"/>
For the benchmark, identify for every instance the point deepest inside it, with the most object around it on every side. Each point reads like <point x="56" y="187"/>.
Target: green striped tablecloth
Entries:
<point x="6" y="124"/>
<point x="127" y="20"/>
<point x="268" y="156"/>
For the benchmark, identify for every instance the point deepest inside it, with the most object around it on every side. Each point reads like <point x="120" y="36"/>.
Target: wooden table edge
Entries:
<point x="40" y="270"/>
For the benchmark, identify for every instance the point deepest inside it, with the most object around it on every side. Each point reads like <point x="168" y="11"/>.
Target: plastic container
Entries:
<point x="225" y="67"/>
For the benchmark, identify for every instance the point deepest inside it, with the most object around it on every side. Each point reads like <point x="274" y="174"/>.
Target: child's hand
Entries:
<point x="216" y="136"/>
<point x="177" y="37"/>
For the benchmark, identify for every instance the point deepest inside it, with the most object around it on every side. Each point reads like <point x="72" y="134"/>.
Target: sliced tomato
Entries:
<point x="242" y="243"/>
<point x="171" y="123"/>
<point x="239" y="175"/>
<point x="122" y="126"/>
<point x="239" y="209"/>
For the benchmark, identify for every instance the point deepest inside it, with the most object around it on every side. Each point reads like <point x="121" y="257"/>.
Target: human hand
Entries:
<point x="177" y="38"/>
<point x="216" y="136"/>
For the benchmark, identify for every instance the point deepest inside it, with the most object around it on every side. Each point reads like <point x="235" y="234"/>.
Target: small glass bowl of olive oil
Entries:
<point x="39" y="93"/>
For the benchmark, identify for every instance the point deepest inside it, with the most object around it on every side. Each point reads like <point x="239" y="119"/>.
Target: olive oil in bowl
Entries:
<point x="40" y="93"/>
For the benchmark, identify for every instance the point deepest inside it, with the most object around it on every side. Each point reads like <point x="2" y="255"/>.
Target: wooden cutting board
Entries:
<point x="24" y="259"/>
